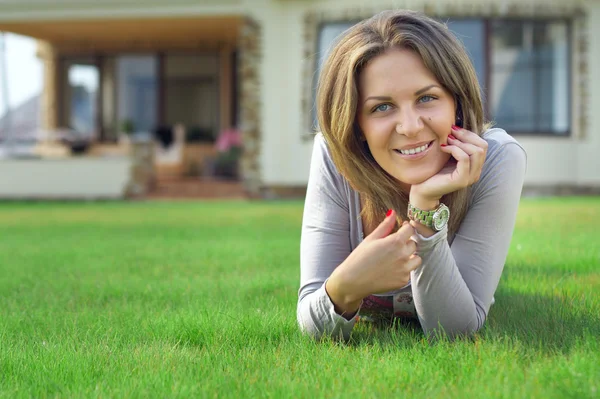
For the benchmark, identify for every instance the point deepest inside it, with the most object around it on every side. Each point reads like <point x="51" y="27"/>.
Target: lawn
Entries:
<point x="199" y="299"/>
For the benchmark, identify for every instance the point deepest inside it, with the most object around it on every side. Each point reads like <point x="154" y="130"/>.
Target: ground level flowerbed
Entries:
<point x="156" y="299"/>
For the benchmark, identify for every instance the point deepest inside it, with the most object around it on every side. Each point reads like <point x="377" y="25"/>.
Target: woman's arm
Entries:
<point x="324" y="245"/>
<point x="454" y="287"/>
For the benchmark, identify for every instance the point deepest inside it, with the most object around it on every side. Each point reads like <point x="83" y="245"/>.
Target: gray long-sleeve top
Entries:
<point x="454" y="286"/>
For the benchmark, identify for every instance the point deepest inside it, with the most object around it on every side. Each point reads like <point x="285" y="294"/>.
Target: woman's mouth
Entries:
<point x="414" y="152"/>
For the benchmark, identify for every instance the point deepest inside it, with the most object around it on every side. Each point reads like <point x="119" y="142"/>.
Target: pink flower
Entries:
<point x="228" y="139"/>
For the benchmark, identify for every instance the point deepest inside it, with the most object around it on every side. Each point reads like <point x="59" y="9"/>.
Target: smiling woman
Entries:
<point x="412" y="198"/>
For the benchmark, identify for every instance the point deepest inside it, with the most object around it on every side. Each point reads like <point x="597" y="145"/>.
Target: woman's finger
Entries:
<point x="477" y="155"/>
<point x="467" y="136"/>
<point x="463" y="165"/>
<point x="410" y="247"/>
<point x="403" y="234"/>
<point x="413" y="262"/>
<point x="469" y="148"/>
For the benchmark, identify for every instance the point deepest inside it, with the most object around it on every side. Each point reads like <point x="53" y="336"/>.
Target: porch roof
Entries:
<point x="133" y="32"/>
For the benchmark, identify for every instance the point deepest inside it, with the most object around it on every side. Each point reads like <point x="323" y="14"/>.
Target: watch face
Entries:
<point x="440" y="218"/>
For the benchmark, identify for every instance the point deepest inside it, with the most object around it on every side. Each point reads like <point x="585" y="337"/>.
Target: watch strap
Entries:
<point x="423" y="217"/>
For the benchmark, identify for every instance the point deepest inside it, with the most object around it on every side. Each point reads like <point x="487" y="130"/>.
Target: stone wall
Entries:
<point x="142" y="177"/>
<point x="250" y="105"/>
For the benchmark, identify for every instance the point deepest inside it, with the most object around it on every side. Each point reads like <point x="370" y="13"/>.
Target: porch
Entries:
<point x="114" y="81"/>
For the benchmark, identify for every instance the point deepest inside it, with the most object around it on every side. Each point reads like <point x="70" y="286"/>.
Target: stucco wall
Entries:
<point x="588" y="151"/>
<point x="285" y="156"/>
<point x="77" y="178"/>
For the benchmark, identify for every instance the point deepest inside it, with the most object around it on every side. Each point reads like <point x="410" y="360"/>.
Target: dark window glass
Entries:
<point x="529" y="76"/>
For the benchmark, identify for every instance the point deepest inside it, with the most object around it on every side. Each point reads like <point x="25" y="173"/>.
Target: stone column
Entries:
<point x="250" y="105"/>
<point x="141" y="176"/>
<point x="50" y="95"/>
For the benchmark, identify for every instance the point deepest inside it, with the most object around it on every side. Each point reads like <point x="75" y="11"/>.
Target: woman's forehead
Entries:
<point x="395" y="70"/>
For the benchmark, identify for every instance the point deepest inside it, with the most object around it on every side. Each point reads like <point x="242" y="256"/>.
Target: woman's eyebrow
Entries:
<point x="378" y="98"/>
<point x="385" y="98"/>
<point x="424" y="89"/>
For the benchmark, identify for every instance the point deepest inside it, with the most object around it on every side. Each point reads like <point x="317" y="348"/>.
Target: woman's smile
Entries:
<point x="414" y="152"/>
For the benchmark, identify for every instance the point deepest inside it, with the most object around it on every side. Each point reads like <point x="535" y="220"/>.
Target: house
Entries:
<point x="251" y="64"/>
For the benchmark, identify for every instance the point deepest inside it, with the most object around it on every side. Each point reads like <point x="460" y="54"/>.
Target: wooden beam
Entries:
<point x="225" y="85"/>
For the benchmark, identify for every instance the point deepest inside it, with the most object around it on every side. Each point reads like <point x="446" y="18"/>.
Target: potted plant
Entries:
<point x="229" y="151"/>
<point x="126" y="130"/>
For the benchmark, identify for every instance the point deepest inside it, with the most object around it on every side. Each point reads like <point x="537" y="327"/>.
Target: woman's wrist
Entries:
<point x="425" y="204"/>
<point x="422" y="202"/>
<point x="345" y="304"/>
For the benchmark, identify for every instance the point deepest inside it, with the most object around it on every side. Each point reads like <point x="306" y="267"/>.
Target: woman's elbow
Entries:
<point x="308" y="328"/>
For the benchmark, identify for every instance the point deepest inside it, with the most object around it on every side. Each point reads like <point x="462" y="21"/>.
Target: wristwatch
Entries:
<point x="435" y="219"/>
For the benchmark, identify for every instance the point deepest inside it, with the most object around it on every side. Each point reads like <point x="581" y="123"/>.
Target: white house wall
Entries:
<point x="285" y="152"/>
<point x="76" y="178"/>
<point x="588" y="151"/>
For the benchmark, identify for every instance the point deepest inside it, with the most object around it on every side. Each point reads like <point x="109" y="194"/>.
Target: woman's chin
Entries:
<point x="412" y="180"/>
<point x="419" y="175"/>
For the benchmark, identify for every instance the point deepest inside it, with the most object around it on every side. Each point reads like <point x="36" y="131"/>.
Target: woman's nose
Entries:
<point x="409" y="123"/>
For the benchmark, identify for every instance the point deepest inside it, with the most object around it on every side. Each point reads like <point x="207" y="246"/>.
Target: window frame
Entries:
<point x="569" y="71"/>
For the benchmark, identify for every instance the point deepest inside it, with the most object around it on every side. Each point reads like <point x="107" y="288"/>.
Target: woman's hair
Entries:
<point x="337" y="102"/>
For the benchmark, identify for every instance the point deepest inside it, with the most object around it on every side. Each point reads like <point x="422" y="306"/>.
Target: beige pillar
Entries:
<point x="50" y="99"/>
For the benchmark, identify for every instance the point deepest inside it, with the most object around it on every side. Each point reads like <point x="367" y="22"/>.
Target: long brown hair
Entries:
<point x="337" y="101"/>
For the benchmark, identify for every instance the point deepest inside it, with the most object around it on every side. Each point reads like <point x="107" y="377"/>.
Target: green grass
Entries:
<point x="199" y="300"/>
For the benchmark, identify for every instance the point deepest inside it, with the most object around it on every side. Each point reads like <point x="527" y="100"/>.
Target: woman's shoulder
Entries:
<point x="321" y="153"/>
<point x="321" y="159"/>
<point x="502" y="144"/>
<point x="502" y="149"/>
<point x="505" y="162"/>
<point x="321" y="144"/>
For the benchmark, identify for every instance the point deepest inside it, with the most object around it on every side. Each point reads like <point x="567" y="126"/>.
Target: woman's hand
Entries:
<point x="381" y="263"/>
<point x="468" y="152"/>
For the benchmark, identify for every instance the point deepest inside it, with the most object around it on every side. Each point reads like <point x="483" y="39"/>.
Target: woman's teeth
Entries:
<point x="414" y="150"/>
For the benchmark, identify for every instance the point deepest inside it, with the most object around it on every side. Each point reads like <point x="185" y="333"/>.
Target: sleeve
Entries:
<point x="454" y="286"/>
<point x="324" y="245"/>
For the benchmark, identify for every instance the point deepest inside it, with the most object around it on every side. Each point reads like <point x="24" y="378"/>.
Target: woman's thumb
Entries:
<point x="385" y="227"/>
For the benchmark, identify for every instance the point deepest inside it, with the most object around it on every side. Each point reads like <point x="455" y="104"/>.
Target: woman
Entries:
<point x="406" y="161"/>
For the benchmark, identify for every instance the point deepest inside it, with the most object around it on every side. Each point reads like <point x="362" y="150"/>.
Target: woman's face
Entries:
<point x="404" y="114"/>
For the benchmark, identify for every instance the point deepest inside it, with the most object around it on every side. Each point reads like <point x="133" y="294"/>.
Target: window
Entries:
<point x="529" y="89"/>
<point x="328" y="34"/>
<point x="137" y="92"/>
<point x="81" y="81"/>
<point x="83" y="84"/>
<point x="522" y="67"/>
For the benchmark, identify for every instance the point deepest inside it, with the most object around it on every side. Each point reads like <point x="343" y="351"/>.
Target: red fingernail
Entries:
<point x="452" y="137"/>
<point x="454" y="127"/>
<point x="389" y="212"/>
<point x="442" y="145"/>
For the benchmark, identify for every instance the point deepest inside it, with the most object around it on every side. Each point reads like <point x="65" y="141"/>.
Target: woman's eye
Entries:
<point x="382" y="108"/>
<point x="426" y="99"/>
